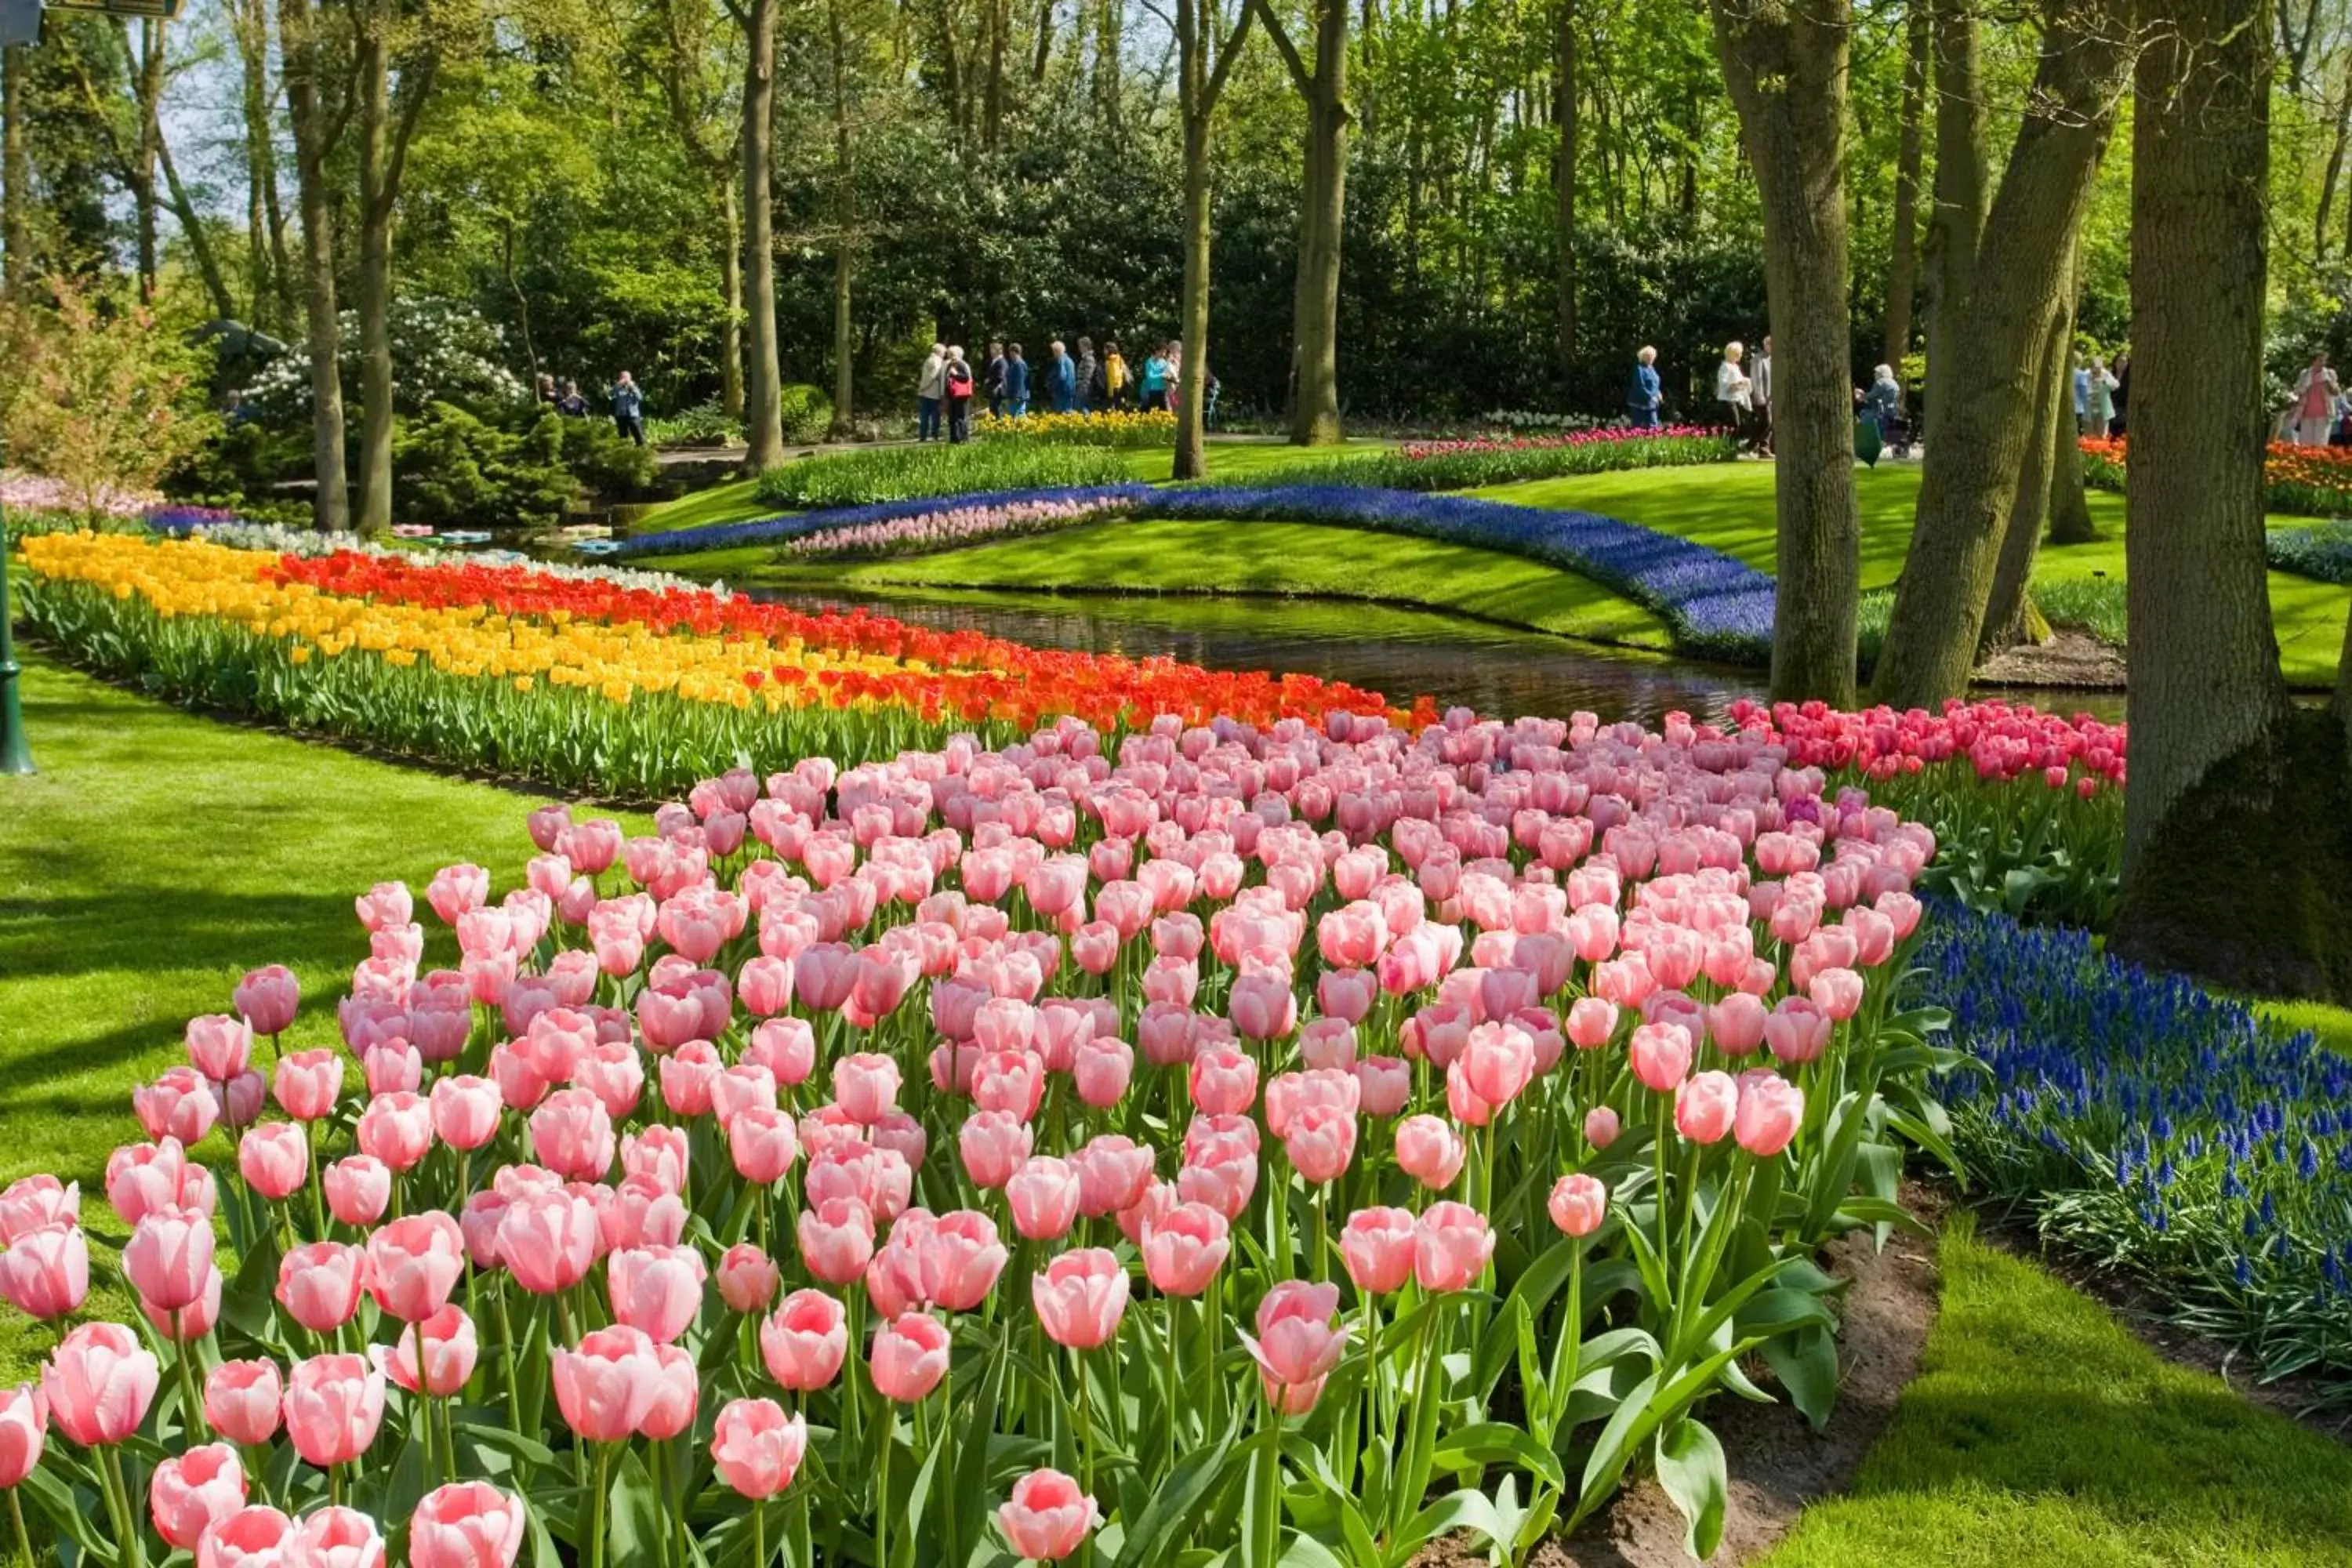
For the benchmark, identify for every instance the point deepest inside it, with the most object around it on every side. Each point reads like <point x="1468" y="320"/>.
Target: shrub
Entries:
<point x="2093" y="604"/>
<point x="1463" y="465"/>
<point x="806" y="412"/>
<point x="442" y="352"/>
<point x="2323" y="554"/>
<point x="704" y="425"/>
<point x="903" y="473"/>
<point x="598" y="455"/>
<point x="456" y="471"/>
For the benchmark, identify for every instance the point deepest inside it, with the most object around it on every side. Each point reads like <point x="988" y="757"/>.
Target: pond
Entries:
<point x="1399" y="653"/>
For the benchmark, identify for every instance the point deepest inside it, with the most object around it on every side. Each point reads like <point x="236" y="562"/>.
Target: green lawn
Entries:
<point x="2041" y="1434"/>
<point x="1288" y="558"/>
<point x="159" y="854"/>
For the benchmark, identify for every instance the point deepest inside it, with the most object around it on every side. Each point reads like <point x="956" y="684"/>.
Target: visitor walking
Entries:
<point x="2120" y="423"/>
<point x="1016" y="383"/>
<point x="1061" y="380"/>
<point x="1882" y="404"/>
<point x="956" y="381"/>
<point x="1088" y="373"/>
<point x="2314" y="408"/>
<point x="1117" y="384"/>
<point x="571" y="405"/>
<point x="629" y="409"/>
<point x="1762" y="412"/>
<point x="991" y="376"/>
<point x="1153" y="386"/>
<point x="1643" y="395"/>
<point x="2098" y="398"/>
<point x="1735" y="393"/>
<point x="930" y="387"/>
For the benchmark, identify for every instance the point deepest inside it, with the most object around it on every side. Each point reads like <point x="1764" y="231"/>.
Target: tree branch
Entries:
<point x="1299" y="74"/>
<point x="1230" y="52"/>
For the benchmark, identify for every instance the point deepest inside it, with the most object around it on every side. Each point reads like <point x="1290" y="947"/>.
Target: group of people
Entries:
<point x="1743" y="392"/>
<point x="1063" y="382"/>
<point x="628" y="401"/>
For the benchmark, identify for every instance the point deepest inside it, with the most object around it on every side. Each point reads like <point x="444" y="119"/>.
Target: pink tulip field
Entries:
<point x="1301" y="1143"/>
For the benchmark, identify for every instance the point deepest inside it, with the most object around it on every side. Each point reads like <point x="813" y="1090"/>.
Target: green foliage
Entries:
<point x="2323" y="554"/>
<point x="239" y="468"/>
<point x="806" y="412"/>
<point x="2093" y="604"/>
<point x="903" y="473"/>
<point x="456" y="471"/>
<point x="598" y="455"/>
<point x="704" y="425"/>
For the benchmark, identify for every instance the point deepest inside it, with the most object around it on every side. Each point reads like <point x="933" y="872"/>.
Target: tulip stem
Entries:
<point x="117" y="1504"/>
<point x="424" y="1400"/>
<point x="193" y="1411"/>
<point x="1175" y="1380"/>
<point x="881" y="1488"/>
<point x="595" y="1543"/>
<point x="17" y="1516"/>
<point x="759" y="1533"/>
<point x="514" y="1354"/>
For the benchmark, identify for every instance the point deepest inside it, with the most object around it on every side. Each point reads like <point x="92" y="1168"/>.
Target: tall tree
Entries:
<point x="1322" y="84"/>
<point x="268" y="274"/>
<point x="2070" y="509"/>
<point x="2008" y="615"/>
<point x="763" y="426"/>
<point x="711" y="132"/>
<point x="2234" y="827"/>
<point x="1957" y="226"/>
<point x="1563" y="174"/>
<point x="1207" y="45"/>
<point x="143" y="153"/>
<point x="1989" y="389"/>
<point x="16" y="174"/>
<point x="1903" y="254"/>
<point x="1786" y="63"/>
<point x="317" y="130"/>
<point x="388" y="126"/>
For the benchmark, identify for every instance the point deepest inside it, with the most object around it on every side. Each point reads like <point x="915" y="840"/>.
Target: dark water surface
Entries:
<point x="1401" y="654"/>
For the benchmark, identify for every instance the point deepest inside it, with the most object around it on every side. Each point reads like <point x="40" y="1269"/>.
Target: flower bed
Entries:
<point x="1156" y="428"/>
<point x="902" y="516"/>
<point x="576" y="680"/>
<point x="962" y="469"/>
<point x="1715" y="605"/>
<point x="1494" y="460"/>
<point x="2314" y="480"/>
<point x="2157" y="1129"/>
<point x="1254" y="1138"/>
<point x="2323" y="554"/>
<point x="954" y="528"/>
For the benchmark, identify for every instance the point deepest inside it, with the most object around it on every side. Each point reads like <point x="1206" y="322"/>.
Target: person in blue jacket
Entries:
<point x="1061" y="379"/>
<point x="1017" y="383"/>
<point x="1644" y="397"/>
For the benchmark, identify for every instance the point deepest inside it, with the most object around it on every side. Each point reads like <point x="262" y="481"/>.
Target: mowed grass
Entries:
<point x="1297" y="558"/>
<point x="2040" y="1434"/>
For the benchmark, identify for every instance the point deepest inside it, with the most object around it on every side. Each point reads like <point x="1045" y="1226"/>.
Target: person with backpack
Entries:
<point x="1117" y="380"/>
<point x="1088" y="378"/>
<point x="959" y="387"/>
<point x="1153" y="386"/>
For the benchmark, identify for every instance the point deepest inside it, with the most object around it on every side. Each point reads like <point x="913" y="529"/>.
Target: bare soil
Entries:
<point x="2068" y="658"/>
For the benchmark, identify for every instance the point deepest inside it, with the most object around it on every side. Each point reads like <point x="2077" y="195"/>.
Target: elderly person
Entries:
<point x="1883" y="401"/>
<point x="1734" y="393"/>
<point x="1643" y="395"/>
<point x="2313" y="411"/>
<point x="930" y="392"/>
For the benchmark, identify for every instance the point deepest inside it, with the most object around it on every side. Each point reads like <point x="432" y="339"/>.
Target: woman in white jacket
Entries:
<point x="1736" y="393"/>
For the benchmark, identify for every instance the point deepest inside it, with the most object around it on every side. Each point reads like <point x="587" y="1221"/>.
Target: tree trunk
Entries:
<point x="2235" y="826"/>
<point x="2332" y="177"/>
<point x="2008" y="609"/>
<point x="1563" y="179"/>
<point x="191" y="227"/>
<point x="263" y="246"/>
<point x="1957" y="226"/>
<point x="730" y="330"/>
<point x="1109" y="51"/>
<point x="147" y="84"/>
<point x="1205" y="57"/>
<point x="374" y="88"/>
<point x="1787" y="70"/>
<point x="298" y="46"/>
<point x="1903" y="263"/>
<point x="1322" y="219"/>
<point x="16" y="169"/>
<point x="1991" y="378"/>
<point x="763" y="393"/>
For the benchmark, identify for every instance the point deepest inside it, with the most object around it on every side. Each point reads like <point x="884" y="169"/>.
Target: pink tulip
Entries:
<point x="194" y="1322"/>
<point x="358" y="1189"/>
<point x="255" y="1536"/>
<point x="1430" y="1151"/>
<point x="32" y="1202"/>
<point x="1661" y="1054"/>
<point x="451" y="1347"/>
<point x="1837" y="992"/>
<point x="786" y="1047"/>
<point x="1579" y="1204"/>
<point x="961" y="1256"/>
<point x="992" y="1143"/>
<point x="169" y="1256"/>
<point x="390" y="1067"/>
<point x="1223" y="1082"/>
<point x="1043" y="1194"/>
<point x="1113" y="1171"/>
<point x="98" y="1383"/>
<point x="414" y="1263"/>
<point x="605" y="1387"/>
<point x="396" y="1129"/>
<point x="1378" y="1246"/>
<point x="1102" y="1070"/>
<point x="219" y="1046"/>
<point x="764" y="1144"/>
<point x="275" y="1159"/>
<point x="757" y="1449"/>
<point x="241" y="1401"/>
<point x="335" y="1537"/>
<point x="548" y="1240"/>
<point x="866" y="1084"/>
<point x="141" y="1176"/>
<point x="469" y="1524"/>
<point x="909" y="1357"/>
<point x="678" y="1394"/>
<point x="1772" y="1109"/>
<point x="1080" y="1298"/>
<point x="836" y="1239"/>
<point x="1183" y="1250"/>
<point x="267" y="998"/>
<point x="1451" y="1246"/>
<point x="739" y="1088"/>
<point x="748" y="1278"/>
<point x="24" y="1432"/>
<point x="180" y="1104"/>
<point x="656" y="1288"/>
<point x="334" y="1405"/>
<point x="45" y="1273"/>
<point x="805" y="1341"/>
<point x="1705" y="1106"/>
<point x="193" y="1491"/>
<point x="1321" y="1143"/>
<point x="1047" y="1517"/>
<point x="319" y="1284"/>
<point x="1297" y="1343"/>
<point x="572" y="1135"/>
<point x="466" y="1110"/>
<point x="1262" y="1007"/>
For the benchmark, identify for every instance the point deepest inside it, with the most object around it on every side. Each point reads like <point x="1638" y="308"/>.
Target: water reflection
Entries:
<point x="1399" y="653"/>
